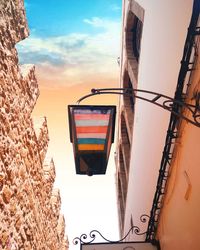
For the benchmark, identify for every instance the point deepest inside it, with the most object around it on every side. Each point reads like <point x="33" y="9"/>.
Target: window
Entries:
<point x="133" y="35"/>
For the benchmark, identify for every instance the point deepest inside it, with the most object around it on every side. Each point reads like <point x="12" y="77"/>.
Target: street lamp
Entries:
<point x="92" y="133"/>
<point x="92" y="127"/>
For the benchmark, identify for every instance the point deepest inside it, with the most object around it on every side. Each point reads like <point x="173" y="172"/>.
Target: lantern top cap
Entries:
<point x="92" y="106"/>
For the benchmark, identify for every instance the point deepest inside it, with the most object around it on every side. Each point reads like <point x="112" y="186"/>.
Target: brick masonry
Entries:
<point x="29" y="206"/>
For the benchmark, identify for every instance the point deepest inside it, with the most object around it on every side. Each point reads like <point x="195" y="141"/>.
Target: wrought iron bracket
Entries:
<point x="168" y="103"/>
<point x="84" y="239"/>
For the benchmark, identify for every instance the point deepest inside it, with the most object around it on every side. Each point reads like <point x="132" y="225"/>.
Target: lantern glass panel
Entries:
<point x="91" y="132"/>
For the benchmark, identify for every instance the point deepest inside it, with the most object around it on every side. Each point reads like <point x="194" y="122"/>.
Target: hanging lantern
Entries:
<point x="92" y="133"/>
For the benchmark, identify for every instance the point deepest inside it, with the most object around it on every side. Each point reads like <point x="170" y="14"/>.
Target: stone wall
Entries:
<point x="29" y="206"/>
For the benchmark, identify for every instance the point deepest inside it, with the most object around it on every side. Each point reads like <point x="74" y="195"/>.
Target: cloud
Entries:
<point x="115" y="7"/>
<point x="54" y="50"/>
<point x="107" y="25"/>
<point x="40" y="58"/>
<point x="75" y="56"/>
<point x="95" y="21"/>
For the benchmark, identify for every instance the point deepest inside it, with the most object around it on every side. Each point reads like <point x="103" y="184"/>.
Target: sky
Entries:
<point x="72" y="43"/>
<point x="74" y="46"/>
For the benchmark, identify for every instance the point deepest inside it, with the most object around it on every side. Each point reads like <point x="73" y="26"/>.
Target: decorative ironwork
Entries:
<point x="83" y="239"/>
<point x="187" y="65"/>
<point x="173" y="105"/>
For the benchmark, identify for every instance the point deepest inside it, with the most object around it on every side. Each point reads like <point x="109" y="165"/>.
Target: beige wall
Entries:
<point x="179" y="223"/>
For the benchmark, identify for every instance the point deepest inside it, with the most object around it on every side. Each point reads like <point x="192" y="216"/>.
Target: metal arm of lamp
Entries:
<point x="168" y="103"/>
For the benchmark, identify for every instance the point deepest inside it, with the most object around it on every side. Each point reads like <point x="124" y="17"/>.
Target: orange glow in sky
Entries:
<point x="75" y="48"/>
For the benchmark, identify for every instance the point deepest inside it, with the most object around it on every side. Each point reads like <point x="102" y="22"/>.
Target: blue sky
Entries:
<point x="75" y="40"/>
<point x="61" y="17"/>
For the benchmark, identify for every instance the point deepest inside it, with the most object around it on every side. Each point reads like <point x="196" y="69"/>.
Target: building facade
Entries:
<point x="29" y="205"/>
<point x="157" y="152"/>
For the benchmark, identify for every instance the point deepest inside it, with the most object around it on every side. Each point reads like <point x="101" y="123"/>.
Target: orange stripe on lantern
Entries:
<point x="90" y="147"/>
<point x="95" y="129"/>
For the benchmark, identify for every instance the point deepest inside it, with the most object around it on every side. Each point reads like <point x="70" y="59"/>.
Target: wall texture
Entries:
<point x="29" y="206"/>
<point x="179" y="226"/>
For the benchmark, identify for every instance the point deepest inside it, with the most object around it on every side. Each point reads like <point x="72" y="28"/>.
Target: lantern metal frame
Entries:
<point x="103" y="154"/>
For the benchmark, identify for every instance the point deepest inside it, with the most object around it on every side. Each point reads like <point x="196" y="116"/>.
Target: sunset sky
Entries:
<point x="75" y="46"/>
<point x="72" y="43"/>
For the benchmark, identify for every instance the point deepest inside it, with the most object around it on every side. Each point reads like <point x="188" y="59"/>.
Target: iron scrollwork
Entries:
<point x="170" y="104"/>
<point x="84" y="239"/>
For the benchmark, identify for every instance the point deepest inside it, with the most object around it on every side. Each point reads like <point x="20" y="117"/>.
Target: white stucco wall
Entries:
<point x="164" y="32"/>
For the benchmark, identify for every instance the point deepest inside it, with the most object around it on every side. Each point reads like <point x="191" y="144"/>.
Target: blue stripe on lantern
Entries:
<point x="91" y="141"/>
